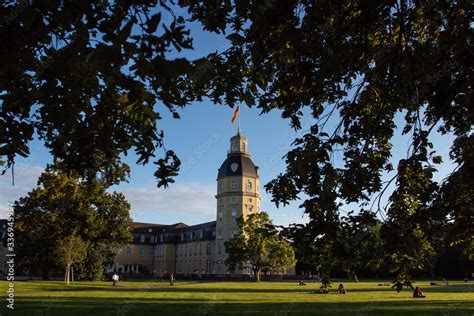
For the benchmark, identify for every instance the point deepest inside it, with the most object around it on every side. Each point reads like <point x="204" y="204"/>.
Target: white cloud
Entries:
<point x="179" y="202"/>
<point x="26" y="177"/>
<point x="3" y="211"/>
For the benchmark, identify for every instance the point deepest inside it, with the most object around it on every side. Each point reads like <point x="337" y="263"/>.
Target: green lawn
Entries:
<point x="35" y="298"/>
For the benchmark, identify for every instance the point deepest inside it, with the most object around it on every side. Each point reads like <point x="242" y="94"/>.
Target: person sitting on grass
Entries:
<point x="342" y="289"/>
<point x="417" y="293"/>
<point x="301" y="283"/>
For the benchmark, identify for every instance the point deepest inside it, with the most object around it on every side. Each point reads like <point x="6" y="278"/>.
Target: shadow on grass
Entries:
<point x="153" y="287"/>
<point x="35" y="305"/>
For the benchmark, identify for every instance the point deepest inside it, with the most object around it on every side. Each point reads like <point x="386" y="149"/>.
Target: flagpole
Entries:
<point x="238" y="130"/>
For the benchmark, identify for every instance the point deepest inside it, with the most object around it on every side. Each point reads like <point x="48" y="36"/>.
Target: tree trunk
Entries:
<point x="67" y="274"/>
<point x="256" y="273"/>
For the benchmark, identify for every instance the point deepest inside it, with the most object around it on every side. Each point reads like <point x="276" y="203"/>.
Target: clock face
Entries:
<point x="234" y="167"/>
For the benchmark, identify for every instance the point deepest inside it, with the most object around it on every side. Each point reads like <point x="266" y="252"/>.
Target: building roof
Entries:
<point x="175" y="233"/>
<point x="245" y="167"/>
<point x="140" y="225"/>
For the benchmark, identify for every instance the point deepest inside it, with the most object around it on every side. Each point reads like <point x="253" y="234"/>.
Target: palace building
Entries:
<point x="199" y="249"/>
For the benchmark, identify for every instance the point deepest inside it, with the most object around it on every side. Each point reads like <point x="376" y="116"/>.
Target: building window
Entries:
<point x="249" y="185"/>
<point x="201" y="234"/>
<point x="208" y="249"/>
<point x="234" y="184"/>
<point x="161" y="238"/>
<point x="185" y="251"/>
<point x="195" y="250"/>
<point x="119" y="251"/>
<point x="200" y="249"/>
<point x="192" y="235"/>
<point x="182" y="237"/>
<point x="234" y="199"/>
<point x="219" y="234"/>
<point x="151" y="253"/>
<point x="250" y="209"/>
<point x="234" y="233"/>
<point x="234" y="211"/>
<point x="219" y="245"/>
<point x="129" y="251"/>
<point x="221" y="185"/>
<point x="250" y="200"/>
<point x="142" y="238"/>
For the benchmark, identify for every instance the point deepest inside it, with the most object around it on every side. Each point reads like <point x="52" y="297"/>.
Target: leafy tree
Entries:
<point x="359" y="246"/>
<point x="63" y="205"/>
<point x="258" y="242"/>
<point x="281" y="254"/>
<point x="349" y="74"/>
<point x="86" y="76"/>
<point x="455" y="199"/>
<point x="407" y="243"/>
<point x="353" y="245"/>
<point x="70" y="251"/>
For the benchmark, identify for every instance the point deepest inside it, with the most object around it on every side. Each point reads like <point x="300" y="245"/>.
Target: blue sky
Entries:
<point x="201" y="140"/>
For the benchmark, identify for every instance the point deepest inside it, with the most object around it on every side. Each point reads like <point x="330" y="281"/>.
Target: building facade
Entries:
<point x="199" y="249"/>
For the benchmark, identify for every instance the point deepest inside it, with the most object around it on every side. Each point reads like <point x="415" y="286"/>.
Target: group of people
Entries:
<point x="417" y="293"/>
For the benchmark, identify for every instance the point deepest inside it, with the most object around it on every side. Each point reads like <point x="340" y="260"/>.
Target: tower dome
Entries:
<point x="238" y="162"/>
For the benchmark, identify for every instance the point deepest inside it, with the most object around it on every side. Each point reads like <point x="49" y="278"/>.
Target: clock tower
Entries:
<point x="238" y="194"/>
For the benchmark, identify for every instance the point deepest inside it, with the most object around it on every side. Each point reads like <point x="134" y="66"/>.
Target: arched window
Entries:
<point x="249" y="185"/>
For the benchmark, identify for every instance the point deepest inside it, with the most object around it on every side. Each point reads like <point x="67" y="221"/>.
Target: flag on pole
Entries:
<point x="236" y="112"/>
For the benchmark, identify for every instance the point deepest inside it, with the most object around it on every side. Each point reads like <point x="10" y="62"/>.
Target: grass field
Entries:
<point x="35" y="298"/>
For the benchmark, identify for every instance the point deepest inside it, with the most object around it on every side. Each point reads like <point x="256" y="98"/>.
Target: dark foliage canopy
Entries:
<point x="88" y="77"/>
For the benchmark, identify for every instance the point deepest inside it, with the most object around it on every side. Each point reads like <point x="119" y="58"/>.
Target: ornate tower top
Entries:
<point x="239" y="145"/>
<point x="238" y="162"/>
